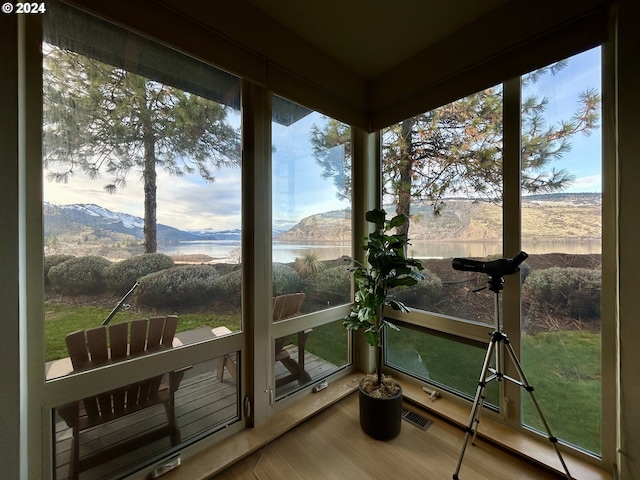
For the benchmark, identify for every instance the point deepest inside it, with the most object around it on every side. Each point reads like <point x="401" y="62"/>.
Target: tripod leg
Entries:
<point x="477" y="405"/>
<point x="529" y="388"/>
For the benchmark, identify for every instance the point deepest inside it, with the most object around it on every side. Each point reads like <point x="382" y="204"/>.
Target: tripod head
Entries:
<point x="496" y="269"/>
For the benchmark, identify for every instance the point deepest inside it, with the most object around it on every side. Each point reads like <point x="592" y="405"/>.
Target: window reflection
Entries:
<point x="311" y="206"/>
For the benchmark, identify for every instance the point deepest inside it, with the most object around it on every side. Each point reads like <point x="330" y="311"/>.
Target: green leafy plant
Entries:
<point x="386" y="268"/>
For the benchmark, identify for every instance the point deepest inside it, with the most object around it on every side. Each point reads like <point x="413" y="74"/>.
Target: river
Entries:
<point x="225" y="251"/>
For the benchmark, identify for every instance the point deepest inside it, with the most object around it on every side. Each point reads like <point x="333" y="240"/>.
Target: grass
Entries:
<point x="64" y="319"/>
<point x="564" y="367"/>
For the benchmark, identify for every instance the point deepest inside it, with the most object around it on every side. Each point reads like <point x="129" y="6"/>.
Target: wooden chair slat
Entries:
<point x="77" y="347"/>
<point x="99" y="352"/>
<point x="118" y="340"/>
<point x="98" y="348"/>
<point x="170" y="327"/>
<point x="91" y="406"/>
<point x="156" y="327"/>
<point x="138" y="340"/>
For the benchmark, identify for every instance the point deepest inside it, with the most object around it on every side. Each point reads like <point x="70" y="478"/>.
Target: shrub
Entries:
<point x="570" y="292"/>
<point x="52" y="261"/>
<point x="79" y="275"/>
<point x="121" y="276"/>
<point x="229" y="287"/>
<point x="285" y="279"/>
<point x="308" y="264"/>
<point x="334" y="282"/>
<point x="424" y="294"/>
<point x="178" y="286"/>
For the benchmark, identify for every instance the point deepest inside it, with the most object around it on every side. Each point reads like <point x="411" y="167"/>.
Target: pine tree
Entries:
<point x="457" y="149"/>
<point x="99" y="119"/>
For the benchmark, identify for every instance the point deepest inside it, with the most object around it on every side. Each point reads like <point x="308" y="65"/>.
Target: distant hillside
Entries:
<point x="83" y="218"/>
<point x="87" y="229"/>
<point x="548" y="217"/>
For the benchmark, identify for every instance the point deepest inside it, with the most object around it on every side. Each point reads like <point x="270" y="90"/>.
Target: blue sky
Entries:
<point x="190" y="203"/>
<point x="562" y="90"/>
<point x="299" y="189"/>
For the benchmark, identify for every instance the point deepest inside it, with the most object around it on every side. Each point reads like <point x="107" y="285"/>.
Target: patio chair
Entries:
<point x="285" y="306"/>
<point x="91" y="348"/>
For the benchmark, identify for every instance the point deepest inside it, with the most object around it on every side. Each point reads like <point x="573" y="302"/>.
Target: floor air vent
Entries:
<point x="416" y="419"/>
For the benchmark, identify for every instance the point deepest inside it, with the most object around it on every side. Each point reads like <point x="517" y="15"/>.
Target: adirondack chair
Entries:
<point x="91" y="348"/>
<point x="285" y="306"/>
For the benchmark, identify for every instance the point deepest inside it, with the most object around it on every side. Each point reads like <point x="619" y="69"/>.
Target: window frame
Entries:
<point x="510" y="297"/>
<point x="46" y="395"/>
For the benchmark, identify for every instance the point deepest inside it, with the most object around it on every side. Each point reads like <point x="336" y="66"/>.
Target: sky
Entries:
<point x="298" y="187"/>
<point x="562" y="90"/>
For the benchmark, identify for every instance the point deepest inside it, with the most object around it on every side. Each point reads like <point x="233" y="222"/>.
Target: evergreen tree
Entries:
<point x="102" y="119"/>
<point x="457" y="149"/>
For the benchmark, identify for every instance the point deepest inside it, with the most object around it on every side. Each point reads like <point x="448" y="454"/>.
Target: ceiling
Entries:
<point x="372" y="36"/>
<point x="368" y="36"/>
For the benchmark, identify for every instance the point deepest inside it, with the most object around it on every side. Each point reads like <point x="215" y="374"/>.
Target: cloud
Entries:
<point x="186" y="202"/>
<point x="591" y="183"/>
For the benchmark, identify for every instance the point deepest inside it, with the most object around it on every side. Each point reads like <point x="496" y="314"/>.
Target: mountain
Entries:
<point x="545" y="217"/>
<point x="85" y="219"/>
<point x="89" y="228"/>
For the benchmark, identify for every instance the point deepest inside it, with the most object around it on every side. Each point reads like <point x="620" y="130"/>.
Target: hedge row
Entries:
<point x="570" y="292"/>
<point x="567" y="292"/>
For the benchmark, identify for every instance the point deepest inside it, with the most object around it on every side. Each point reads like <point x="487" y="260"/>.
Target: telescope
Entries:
<point x="495" y="268"/>
<point x="492" y="368"/>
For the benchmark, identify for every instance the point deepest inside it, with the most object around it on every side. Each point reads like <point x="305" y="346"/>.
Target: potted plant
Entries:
<point x="386" y="267"/>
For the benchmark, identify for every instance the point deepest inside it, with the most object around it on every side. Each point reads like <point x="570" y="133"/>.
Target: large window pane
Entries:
<point x="442" y="360"/>
<point x="443" y="169"/>
<point x="142" y="182"/>
<point x="311" y="206"/>
<point x="114" y="443"/>
<point x="562" y="232"/>
<point x="311" y="211"/>
<point x="142" y="202"/>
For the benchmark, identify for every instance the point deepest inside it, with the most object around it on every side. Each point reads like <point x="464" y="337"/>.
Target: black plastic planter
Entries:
<point x="380" y="418"/>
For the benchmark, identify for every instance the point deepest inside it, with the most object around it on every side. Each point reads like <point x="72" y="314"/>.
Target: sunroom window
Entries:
<point x="142" y="228"/>
<point x="311" y="212"/>
<point x="446" y="170"/>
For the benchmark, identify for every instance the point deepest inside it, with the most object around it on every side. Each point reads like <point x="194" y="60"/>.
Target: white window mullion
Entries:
<point x="256" y="163"/>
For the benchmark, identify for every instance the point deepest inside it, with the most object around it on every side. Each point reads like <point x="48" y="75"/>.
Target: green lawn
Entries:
<point x="564" y="367"/>
<point x="64" y="319"/>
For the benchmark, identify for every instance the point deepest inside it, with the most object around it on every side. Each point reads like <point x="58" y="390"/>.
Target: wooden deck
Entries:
<point x="203" y="405"/>
<point x="315" y="366"/>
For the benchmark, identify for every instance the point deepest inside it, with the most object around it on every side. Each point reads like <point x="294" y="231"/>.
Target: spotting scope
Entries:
<point x="494" y="268"/>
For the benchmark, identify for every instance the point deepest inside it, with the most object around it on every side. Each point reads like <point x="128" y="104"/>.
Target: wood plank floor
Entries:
<point x="331" y="445"/>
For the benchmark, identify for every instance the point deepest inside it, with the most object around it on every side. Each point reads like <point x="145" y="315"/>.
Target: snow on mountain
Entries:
<point x="128" y="221"/>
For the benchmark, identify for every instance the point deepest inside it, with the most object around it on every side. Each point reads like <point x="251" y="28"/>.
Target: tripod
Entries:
<point x="489" y="373"/>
